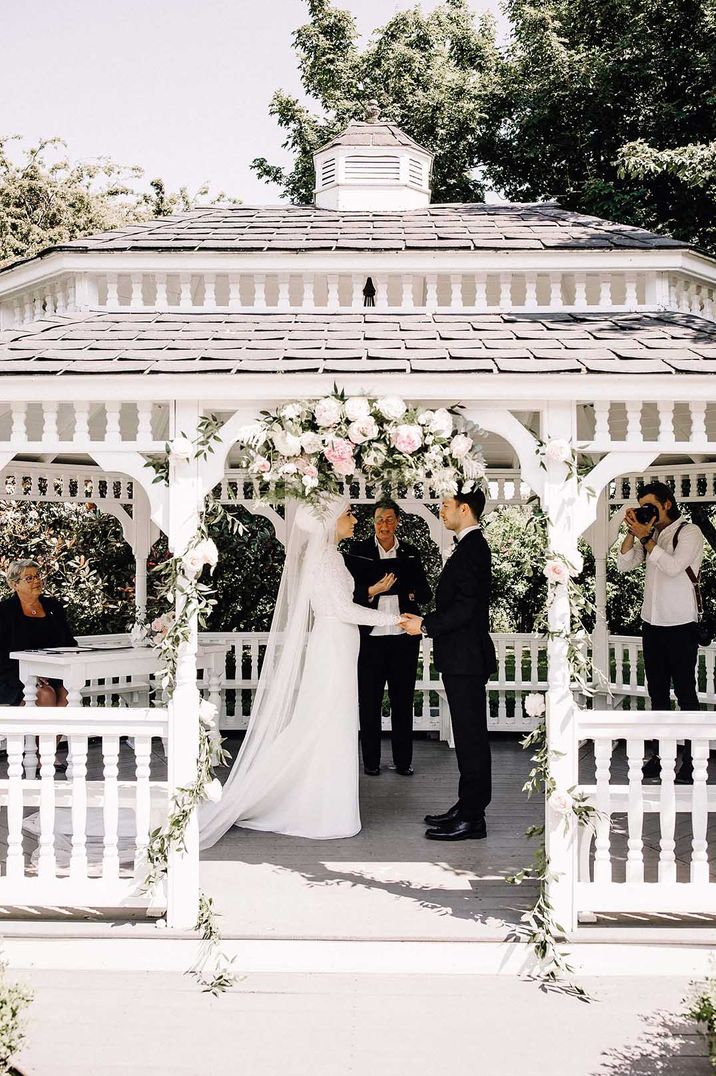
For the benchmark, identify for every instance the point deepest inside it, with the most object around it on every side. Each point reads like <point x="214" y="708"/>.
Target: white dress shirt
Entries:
<point x="669" y="597"/>
<point x="461" y="535"/>
<point x="388" y="603"/>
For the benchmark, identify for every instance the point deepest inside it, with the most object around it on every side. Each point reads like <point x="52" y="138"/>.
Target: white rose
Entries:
<point x="309" y="482"/>
<point x="213" y="791"/>
<point x="460" y="445"/>
<point x="441" y="423"/>
<point x="558" y="451"/>
<point x="556" y="571"/>
<point x="327" y="411"/>
<point x="291" y="411"/>
<point x="391" y="407"/>
<point x="286" y="443"/>
<point x="561" y="802"/>
<point x="207" y="713"/>
<point x="534" y="704"/>
<point x="311" y="442"/>
<point x="425" y="417"/>
<point x="205" y="552"/>
<point x="357" y="407"/>
<point x="363" y="429"/>
<point x="288" y="468"/>
<point x="181" y="448"/>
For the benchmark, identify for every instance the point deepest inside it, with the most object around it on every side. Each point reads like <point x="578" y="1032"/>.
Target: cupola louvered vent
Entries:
<point x="372" y="167"/>
<point x="415" y="170"/>
<point x="328" y="171"/>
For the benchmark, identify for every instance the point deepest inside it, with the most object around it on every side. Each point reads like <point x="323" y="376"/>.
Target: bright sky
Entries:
<point x="179" y="87"/>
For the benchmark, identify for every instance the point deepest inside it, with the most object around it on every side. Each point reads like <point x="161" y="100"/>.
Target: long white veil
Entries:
<point x="283" y="663"/>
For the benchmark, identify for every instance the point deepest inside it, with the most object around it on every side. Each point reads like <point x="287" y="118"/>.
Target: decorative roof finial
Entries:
<point x="372" y="112"/>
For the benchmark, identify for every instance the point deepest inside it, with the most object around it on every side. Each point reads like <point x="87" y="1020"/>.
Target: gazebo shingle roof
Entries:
<point x="453" y="227"/>
<point x="176" y="342"/>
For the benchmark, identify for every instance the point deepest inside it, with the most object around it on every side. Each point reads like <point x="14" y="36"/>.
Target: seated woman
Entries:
<point x="30" y="621"/>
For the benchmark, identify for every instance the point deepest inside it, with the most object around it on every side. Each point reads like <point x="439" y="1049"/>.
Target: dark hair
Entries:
<point x="475" y="500"/>
<point x="663" y="493"/>
<point x="386" y="503"/>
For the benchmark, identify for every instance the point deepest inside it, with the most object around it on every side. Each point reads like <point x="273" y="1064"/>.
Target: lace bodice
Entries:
<point x="332" y="595"/>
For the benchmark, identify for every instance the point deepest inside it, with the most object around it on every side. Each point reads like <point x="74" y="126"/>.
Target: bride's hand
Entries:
<point x="382" y="585"/>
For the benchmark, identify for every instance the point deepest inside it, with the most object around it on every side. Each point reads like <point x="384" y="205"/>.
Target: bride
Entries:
<point x="297" y="770"/>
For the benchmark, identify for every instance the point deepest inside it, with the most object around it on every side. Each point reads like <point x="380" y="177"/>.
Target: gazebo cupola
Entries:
<point x="372" y="166"/>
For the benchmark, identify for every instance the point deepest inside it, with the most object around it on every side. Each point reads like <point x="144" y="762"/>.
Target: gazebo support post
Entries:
<point x="185" y="502"/>
<point x="140" y="548"/>
<point x="559" y="503"/>
<point x="600" y="634"/>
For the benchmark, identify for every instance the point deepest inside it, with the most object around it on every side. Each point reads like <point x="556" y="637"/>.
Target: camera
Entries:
<point x="646" y="513"/>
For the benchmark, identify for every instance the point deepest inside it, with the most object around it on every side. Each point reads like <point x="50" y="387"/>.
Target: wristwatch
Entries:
<point x="647" y="538"/>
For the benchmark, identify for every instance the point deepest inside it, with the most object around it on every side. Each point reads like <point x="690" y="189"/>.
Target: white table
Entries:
<point x="75" y="666"/>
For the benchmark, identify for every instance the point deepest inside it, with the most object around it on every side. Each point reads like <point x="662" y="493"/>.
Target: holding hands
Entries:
<point x="411" y="623"/>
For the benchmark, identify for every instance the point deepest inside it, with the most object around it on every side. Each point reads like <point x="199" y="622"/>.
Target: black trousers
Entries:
<point x="391" y="660"/>
<point x="467" y="699"/>
<point x="670" y="656"/>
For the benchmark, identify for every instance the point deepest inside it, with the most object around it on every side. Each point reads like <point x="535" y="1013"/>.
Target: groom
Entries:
<point x="465" y="656"/>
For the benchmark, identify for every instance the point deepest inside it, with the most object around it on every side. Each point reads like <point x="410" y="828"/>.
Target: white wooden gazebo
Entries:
<point x="543" y="323"/>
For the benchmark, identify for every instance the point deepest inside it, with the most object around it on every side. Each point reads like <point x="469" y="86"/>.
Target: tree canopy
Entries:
<point x="604" y="105"/>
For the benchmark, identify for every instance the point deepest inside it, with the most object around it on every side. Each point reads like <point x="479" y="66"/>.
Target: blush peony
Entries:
<point x="460" y="445"/>
<point x="328" y="411"/>
<point x="391" y="407"/>
<point x="357" y="407"/>
<point x="441" y="423"/>
<point x="340" y="455"/>
<point x="407" y="438"/>
<point x="363" y="429"/>
<point x="286" y="443"/>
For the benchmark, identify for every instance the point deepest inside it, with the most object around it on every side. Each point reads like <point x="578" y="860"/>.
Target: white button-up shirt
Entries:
<point x="388" y="603"/>
<point x="461" y="535"/>
<point x="669" y="597"/>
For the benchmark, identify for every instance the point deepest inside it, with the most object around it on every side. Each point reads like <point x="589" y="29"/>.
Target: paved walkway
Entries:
<point x="102" y="1024"/>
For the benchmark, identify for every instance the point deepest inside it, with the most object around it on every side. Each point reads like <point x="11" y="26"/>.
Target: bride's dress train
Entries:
<point x="304" y="782"/>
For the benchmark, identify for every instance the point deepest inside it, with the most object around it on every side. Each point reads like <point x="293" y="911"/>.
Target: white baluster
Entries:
<point x="144" y="421"/>
<point x="112" y="431"/>
<point x="406" y="292"/>
<point x="665" y="409"/>
<point x="112" y="291"/>
<point x="530" y="291"/>
<point x="631" y="298"/>
<point x="633" y="411"/>
<point x="136" y="300"/>
<point x="49" y="422"/>
<point x="18" y="433"/>
<point x="481" y="291"/>
<point x="695" y="299"/>
<point x="699" y="813"/>
<point x="27" y="308"/>
<point x="605" y="290"/>
<point x="667" y="811"/>
<point x="210" y="290"/>
<point x="110" y="814"/>
<point x="555" y="290"/>
<point x="260" y="290"/>
<point x="357" y="282"/>
<point x="161" y="299"/>
<point x="77" y="757"/>
<point x="635" y="813"/>
<point x="46" y="866"/>
<point x="431" y="291"/>
<point x="332" y="285"/>
<point x="708" y="295"/>
<point x="283" y="294"/>
<point x="62" y="297"/>
<point x="601" y="420"/>
<point x="505" y="291"/>
<point x="580" y="291"/>
<point x="142" y="754"/>
<point x="81" y="431"/>
<point x="455" y="291"/>
<point x="697" y="410"/>
<point x="602" y="843"/>
<point x="381" y="290"/>
<point x="185" y="290"/>
<point x="234" y="291"/>
<point x="15" y="857"/>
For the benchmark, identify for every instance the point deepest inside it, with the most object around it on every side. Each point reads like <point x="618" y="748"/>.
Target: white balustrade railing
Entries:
<point x="91" y="830"/>
<point x="686" y="427"/>
<point x="650" y="848"/>
<point x="526" y="290"/>
<point x="690" y="482"/>
<point x="74" y="425"/>
<point x="627" y="679"/>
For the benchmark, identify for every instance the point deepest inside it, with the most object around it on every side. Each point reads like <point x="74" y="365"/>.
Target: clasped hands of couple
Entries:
<point x="409" y="622"/>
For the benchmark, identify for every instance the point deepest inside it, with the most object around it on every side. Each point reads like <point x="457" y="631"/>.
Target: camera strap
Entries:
<point x="690" y="572"/>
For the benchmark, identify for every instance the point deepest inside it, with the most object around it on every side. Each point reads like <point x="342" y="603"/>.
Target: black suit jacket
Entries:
<point x="366" y="567"/>
<point x="14" y="634"/>
<point x="460" y="625"/>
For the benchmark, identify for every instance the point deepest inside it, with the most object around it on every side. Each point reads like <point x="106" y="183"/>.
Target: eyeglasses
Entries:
<point x="30" y="578"/>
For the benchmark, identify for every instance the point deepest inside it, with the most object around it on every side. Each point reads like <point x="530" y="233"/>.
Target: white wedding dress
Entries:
<point x="303" y="781"/>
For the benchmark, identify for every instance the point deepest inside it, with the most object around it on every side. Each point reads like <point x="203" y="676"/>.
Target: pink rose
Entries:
<point x="261" y="465"/>
<point x="556" y="571"/>
<point x="340" y="455"/>
<point x="407" y="439"/>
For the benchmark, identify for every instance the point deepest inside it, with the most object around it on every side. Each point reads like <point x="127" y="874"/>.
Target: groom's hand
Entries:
<point x="411" y="623"/>
<point x="382" y="586"/>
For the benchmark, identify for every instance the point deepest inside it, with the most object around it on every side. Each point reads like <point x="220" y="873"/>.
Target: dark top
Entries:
<point x="460" y="625"/>
<point x="367" y="567"/>
<point x="20" y="632"/>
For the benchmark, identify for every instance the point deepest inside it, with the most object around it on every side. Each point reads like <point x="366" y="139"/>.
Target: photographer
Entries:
<point x="669" y="610"/>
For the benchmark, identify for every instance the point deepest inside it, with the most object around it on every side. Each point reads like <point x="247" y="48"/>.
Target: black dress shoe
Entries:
<point x="458" y="831"/>
<point x="440" y="819"/>
<point x="407" y="772"/>
<point x="371" y="772"/>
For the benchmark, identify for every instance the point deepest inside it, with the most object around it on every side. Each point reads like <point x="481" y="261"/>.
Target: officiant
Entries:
<point x="389" y="576"/>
